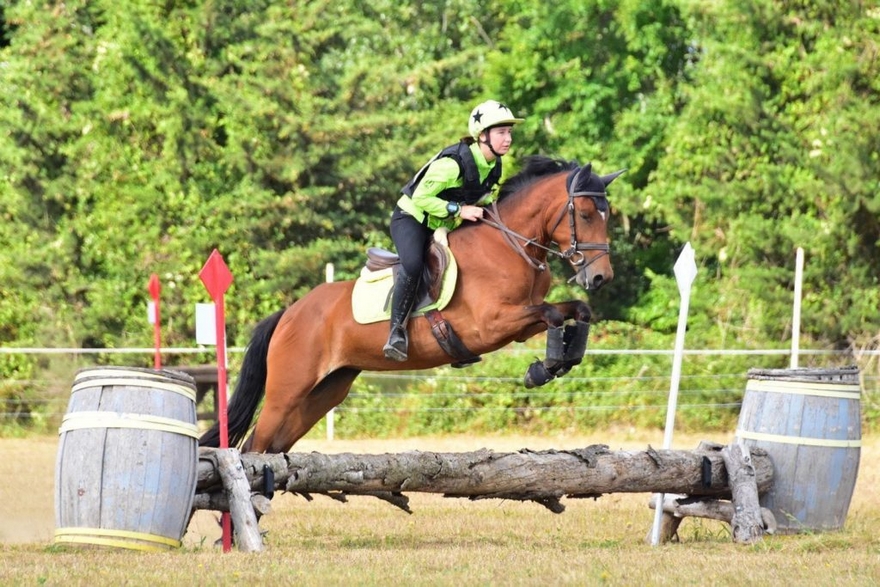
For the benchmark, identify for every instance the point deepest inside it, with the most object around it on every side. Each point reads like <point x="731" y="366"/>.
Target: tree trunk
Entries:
<point x="541" y="476"/>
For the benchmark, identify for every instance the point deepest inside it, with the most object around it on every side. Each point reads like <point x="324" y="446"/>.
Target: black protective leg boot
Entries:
<point x="540" y="372"/>
<point x="402" y="300"/>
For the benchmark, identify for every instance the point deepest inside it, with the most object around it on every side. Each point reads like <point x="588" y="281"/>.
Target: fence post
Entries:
<point x="796" y="318"/>
<point x="331" y="415"/>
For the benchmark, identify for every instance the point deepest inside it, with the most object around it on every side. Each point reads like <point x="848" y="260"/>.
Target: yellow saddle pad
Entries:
<point x="371" y="297"/>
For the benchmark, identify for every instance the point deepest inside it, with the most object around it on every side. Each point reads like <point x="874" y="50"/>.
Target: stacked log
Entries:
<point x="544" y="477"/>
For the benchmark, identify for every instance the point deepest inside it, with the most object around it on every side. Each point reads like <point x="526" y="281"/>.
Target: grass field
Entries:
<point x="444" y="541"/>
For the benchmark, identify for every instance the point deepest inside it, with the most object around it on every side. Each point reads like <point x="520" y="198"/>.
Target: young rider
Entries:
<point x="452" y="187"/>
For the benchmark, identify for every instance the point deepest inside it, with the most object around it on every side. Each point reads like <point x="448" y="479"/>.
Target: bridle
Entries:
<point x="574" y="254"/>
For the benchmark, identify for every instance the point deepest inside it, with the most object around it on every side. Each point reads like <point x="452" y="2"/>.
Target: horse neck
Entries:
<point x="530" y="213"/>
<point x="534" y="212"/>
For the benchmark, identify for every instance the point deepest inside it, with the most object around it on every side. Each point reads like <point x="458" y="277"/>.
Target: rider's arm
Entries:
<point x="442" y="174"/>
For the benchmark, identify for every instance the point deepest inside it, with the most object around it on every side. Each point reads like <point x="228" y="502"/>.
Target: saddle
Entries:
<point x="436" y="262"/>
<point x="435" y="290"/>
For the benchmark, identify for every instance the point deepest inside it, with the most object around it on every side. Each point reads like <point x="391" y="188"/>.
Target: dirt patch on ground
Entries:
<point x="27" y="501"/>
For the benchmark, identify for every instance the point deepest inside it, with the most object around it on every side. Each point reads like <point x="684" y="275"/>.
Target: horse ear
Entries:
<point x="574" y="179"/>
<point x="606" y="179"/>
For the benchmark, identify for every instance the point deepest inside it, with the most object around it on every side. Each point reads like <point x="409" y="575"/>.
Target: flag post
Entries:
<point x="217" y="278"/>
<point x="685" y="271"/>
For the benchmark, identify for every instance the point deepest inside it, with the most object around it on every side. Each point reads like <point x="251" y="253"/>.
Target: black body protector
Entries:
<point x="472" y="189"/>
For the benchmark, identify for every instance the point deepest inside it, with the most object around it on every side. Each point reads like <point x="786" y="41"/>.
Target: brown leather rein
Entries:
<point x="574" y="254"/>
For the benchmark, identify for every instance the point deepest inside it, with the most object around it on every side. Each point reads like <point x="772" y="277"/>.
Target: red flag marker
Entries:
<point x="217" y="278"/>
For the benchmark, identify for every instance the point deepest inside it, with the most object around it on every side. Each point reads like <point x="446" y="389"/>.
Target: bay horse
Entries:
<point x="305" y="358"/>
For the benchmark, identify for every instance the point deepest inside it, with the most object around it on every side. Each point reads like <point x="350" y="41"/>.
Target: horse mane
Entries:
<point x="534" y="167"/>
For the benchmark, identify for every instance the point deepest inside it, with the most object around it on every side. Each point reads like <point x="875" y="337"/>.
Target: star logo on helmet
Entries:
<point x="502" y="106"/>
<point x="478" y="116"/>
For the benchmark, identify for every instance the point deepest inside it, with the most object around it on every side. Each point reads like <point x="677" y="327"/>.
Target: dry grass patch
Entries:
<point x="447" y="541"/>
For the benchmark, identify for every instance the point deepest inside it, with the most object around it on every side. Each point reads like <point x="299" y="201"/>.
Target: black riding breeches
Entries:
<point x="411" y="239"/>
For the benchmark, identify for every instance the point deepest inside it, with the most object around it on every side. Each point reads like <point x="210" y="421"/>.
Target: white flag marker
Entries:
<point x="685" y="271"/>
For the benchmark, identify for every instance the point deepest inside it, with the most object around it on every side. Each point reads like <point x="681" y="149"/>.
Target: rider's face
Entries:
<point x="500" y="137"/>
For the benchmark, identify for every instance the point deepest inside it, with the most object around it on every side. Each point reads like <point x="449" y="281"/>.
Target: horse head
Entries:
<point x="586" y="231"/>
<point x="572" y="204"/>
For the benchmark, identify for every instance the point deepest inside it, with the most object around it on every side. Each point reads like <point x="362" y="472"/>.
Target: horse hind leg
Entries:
<point x="326" y="395"/>
<point x="279" y="427"/>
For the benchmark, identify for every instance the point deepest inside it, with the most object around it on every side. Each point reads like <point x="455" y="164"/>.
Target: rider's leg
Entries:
<point x="402" y="300"/>
<point x="410" y="238"/>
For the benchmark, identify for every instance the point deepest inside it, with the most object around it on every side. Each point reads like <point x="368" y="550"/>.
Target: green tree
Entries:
<point x="601" y="82"/>
<point x="44" y="88"/>
<point x="280" y="134"/>
<point x="137" y="138"/>
<point x="776" y="149"/>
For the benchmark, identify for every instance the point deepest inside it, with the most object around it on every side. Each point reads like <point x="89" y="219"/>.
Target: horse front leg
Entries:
<point x="566" y="343"/>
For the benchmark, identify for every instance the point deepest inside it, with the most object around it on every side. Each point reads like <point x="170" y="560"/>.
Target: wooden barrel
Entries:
<point x="809" y="422"/>
<point x="127" y="459"/>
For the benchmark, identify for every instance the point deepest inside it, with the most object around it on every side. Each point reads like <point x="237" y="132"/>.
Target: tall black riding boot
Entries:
<point x="402" y="300"/>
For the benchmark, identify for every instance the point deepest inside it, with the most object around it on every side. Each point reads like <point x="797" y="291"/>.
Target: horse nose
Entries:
<point x="601" y="279"/>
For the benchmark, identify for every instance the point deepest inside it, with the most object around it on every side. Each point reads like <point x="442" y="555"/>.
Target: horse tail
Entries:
<point x="250" y="387"/>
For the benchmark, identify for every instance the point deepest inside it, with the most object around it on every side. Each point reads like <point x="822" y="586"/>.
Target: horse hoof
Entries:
<point x="537" y="375"/>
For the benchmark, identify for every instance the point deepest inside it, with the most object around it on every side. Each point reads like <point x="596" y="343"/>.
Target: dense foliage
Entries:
<point x="136" y="137"/>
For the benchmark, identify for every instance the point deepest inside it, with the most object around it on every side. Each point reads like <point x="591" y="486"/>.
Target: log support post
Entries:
<point x="748" y="520"/>
<point x="246" y="531"/>
<point x="747" y="524"/>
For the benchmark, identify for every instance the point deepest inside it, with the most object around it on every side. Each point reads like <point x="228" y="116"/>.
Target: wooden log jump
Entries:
<point x="540" y="476"/>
